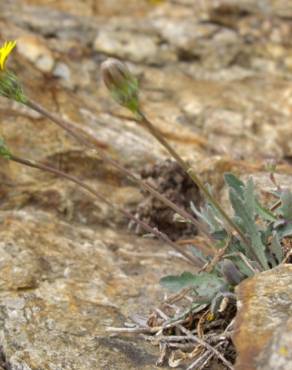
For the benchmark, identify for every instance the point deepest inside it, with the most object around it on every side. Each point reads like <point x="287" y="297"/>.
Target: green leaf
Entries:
<point x="248" y="191"/>
<point x="249" y="227"/>
<point x="264" y="213"/>
<point x="234" y="183"/>
<point x="220" y="235"/>
<point x="271" y="259"/>
<point x="198" y="253"/>
<point x="267" y="233"/>
<point x="200" y="214"/>
<point x="286" y="209"/>
<point x="276" y="247"/>
<point x="242" y="266"/>
<point x="208" y="215"/>
<point x="234" y="248"/>
<point x="249" y="198"/>
<point x="205" y="285"/>
<point x="242" y="218"/>
<point x="284" y="230"/>
<point x="175" y="283"/>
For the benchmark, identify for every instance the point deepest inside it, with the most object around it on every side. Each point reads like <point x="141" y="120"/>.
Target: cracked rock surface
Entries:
<point x="216" y="80"/>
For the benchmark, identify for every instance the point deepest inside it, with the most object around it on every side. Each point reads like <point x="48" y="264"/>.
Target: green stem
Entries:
<point x="35" y="164"/>
<point x="78" y="134"/>
<point x="192" y="174"/>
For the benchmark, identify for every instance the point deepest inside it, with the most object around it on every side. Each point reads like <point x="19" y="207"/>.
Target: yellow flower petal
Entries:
<point x="5" y="50"/>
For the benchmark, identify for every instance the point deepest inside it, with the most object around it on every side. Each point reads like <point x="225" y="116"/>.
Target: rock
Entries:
<point x="32" y="48"/>
<point x="126" y="45"/>
<point x="206" y="43"/>
<point x="277" y="354"/>
<point x="263" y="334"/>
<point x="214" y="80"/>
<point x="185" y="34"/>
<point x="62" y="71"/>
<point x="56" y="281"/>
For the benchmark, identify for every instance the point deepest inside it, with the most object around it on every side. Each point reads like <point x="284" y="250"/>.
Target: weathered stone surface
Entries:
<point x="36" y="52"/>
<point x="62" y="285"/>
<point x="215" y="79"/>
<point x="277" y="354"/>
<point x="263" y="334"/>
<point x="138" y="48"/>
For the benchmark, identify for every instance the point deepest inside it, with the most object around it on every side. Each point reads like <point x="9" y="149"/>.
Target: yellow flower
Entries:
<point x="155" y="2"/>
<point x="5" y="50"/>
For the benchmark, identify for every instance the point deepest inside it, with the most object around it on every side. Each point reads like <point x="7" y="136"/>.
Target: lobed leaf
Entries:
<point x="205" y="284"/>
<point x="249" y="198"/>
<point x="234" y="183"/>
<point x="264" y="213"/>
<point x="284" y="230"/>
<point x="286" y="209"/>
<point x="276" y="247"/>
<point x="248" y="226"/>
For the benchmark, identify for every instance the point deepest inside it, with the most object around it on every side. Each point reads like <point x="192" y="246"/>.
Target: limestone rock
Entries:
<point x="62" y="285"/>
<point x="215" y="80"/>
<point x="37" y="52"/>
<point x="263" y="334"/>
<point x="126" y="45"/>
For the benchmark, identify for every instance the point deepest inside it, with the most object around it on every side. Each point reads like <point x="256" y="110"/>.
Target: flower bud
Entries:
<point x="271" y="165"/>
<point x="121" y="83"/>
<point x="231" y="273"/>
<point x="10" y="87"/>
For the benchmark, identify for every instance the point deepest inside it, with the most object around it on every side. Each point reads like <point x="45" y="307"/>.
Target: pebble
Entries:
<point x="36" y="51"/>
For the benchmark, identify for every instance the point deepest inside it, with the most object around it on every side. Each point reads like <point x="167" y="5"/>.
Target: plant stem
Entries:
<point x="35" y="164"/>
<point x="194" y="177"/>
<point x="78" y="133"/>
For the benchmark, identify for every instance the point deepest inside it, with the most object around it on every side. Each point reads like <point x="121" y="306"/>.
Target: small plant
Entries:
<point x="15" y="92"/>
<point x="264" y="229"/>
<point x="245" y="243"/>
<point x="124" y="88"/>
<point x="250" y="239"/>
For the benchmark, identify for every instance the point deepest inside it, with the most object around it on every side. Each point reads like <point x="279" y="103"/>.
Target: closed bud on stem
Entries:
<point x="231" y="273"/>
<point x="271" y="165"/>
<point x="122" y="85"/>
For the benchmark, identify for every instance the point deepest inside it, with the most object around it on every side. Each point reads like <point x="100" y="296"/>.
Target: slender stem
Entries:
<point x="275" y="205"/>
<point x="144" y="225"/>
<point x="192" y="174"/>
<point x="152" y="129"/>
<point x="67" y="126"/>
<point x="78" y="133"/>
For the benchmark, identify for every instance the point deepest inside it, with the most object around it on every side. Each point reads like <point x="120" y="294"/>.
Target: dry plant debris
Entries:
<point x="186" y="332"/>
